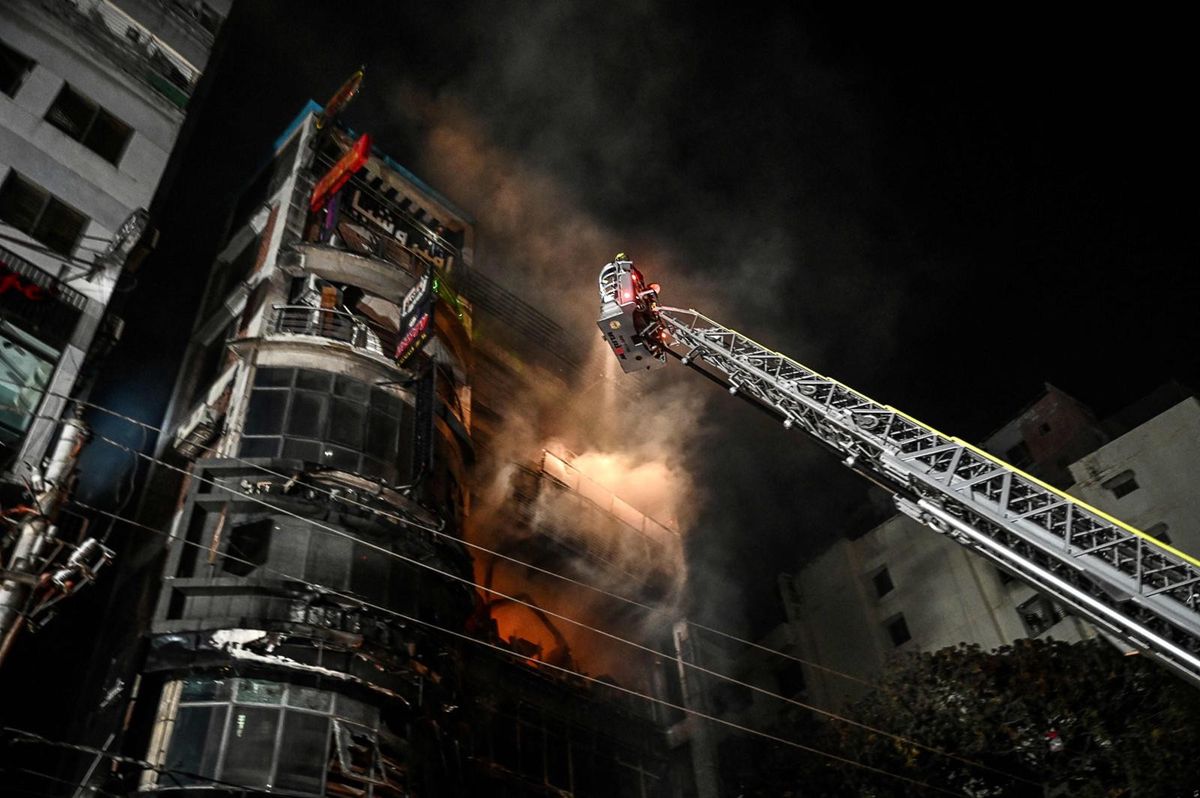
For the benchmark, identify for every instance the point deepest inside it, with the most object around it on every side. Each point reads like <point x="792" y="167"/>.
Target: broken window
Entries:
<point x="1121" y="485"/>
<point x="248" y="547"/>
<point x="356" y="754"/>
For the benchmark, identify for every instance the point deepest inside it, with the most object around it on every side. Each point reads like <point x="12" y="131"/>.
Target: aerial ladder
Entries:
<point x="1129" y="584"/>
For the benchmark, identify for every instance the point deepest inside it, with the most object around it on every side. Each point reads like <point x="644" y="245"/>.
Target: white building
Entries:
<point x="93" y="95"/>
<point x="902" y="587"/>
<point x="1147" y="477"/>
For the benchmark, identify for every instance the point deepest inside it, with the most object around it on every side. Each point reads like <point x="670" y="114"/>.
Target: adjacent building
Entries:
<point x="93" y="95"/>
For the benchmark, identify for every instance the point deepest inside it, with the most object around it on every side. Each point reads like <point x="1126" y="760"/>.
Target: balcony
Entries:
<point x="120" y="39"/>
<point x="338" y="326"/>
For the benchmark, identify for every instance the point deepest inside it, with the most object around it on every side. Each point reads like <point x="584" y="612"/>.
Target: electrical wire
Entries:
<point x="574" y="622"/>
<point x="34" y="737"/>
<point x="57" y="780"/>
<point x="477" y="547"/>
<point x="561" y="669"/>
<point x="565" y="618"/>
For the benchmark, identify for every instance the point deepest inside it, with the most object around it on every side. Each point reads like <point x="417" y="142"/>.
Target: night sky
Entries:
<point x="943" y="211"/>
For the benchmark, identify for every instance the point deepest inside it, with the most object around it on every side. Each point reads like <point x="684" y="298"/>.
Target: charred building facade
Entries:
<point x="318" y="630"/>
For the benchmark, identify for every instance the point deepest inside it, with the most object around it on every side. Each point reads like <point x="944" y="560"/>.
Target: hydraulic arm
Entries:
<point x="1124" y="581"/>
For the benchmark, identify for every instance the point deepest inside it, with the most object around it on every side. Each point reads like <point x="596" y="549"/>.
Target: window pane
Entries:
<point x="205" y="690"/>
<point x="259" y="447"/>
<point x="314" y="380"/>
<point x="351" y="389"/>
<point x="108" y="137"/>
<point x="295" y="449"/>
<point x="303" y="752"/>
<point x="272" y="377"/>
<point x="386" y="402"/>
<point x="60" y="227"/>
<point x="195" y="743"/>
<point x="255" y="691"/>
<point x="265" y="414"/>
<point x="251" y="746"/>
<point x="21" y="202"/>
<point x="381" y="435"/>
<point x="23" y="375"/>
<point x="13" y="68"/>
<point x="309" y="698"/>
<point x="71" y="113"/>
<point x="346" y="424"/>
<point x="337" y="457"/>
<point x="304" y="420"/>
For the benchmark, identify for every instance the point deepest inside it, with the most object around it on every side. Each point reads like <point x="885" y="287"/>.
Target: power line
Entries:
<point x="530" y="605"/>
<point x="521" y="657"/>
<point x="477" y="547"/>
<point x="573" y="621"/>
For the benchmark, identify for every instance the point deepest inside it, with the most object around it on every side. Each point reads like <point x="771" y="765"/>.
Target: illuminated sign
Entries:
<point x="341" y="98"/>
<point x="341" y="172"/>
<point x="416" y="317"/>
<point x="10" y="281"/>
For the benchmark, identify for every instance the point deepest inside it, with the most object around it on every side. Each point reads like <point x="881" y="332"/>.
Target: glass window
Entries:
<point x="256" y="691"/>
<point x="314" y="380"/>
<point x="303" y="752"/>
<point x="250" y="746"/>
<point x="273" y="378"/>
<point x="34" y="212"/>
<point x="196" y="743"/>
<point x="14" y="67"/>
<point x="25" y="369"/>
<point x="305" y="417"/>
<point x="89" y="124"/>
<point x="346" y="423"/>
<point x="205" y="690"/>
<point x="1038" y="614"/>
<point x="309" y="698"/>
<point x="265" y="414"/>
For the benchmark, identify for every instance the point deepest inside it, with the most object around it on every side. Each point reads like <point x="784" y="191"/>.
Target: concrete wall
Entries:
<point x="1164" y="456"/>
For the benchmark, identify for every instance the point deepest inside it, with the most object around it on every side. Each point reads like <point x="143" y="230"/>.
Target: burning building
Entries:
<point x="338" y="481"/>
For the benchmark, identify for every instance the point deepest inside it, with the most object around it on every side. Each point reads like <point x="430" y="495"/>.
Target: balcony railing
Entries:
<point x="335" y="325"/>
<point x="130" y="46"/>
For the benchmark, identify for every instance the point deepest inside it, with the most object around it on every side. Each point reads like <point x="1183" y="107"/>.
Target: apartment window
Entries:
<point x="33" y="211"/>
<point x="883" y="582"/>
<point x="245" y="730"/>
<point x="14" y="67"/>
<point x="1122" y="484"/>
<point x="25" y="368"/>
<point x="1160" y="532"/>
<point x="248" y="547"/>
<point x="89" y="124"/>
<point x="897" y="630"/>
<point x="1038" y="614"/>
<point x="328" y="419"/>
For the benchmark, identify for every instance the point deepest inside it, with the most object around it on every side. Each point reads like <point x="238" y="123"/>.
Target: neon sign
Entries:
<point x="341" y="172"/>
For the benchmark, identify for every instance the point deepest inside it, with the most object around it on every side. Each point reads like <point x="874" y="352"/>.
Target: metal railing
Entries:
<point x="334" y="325"/>
<point x="130" y="46"/>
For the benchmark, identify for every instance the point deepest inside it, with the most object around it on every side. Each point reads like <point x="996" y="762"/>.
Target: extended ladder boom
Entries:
<point x="1126" y="582"/>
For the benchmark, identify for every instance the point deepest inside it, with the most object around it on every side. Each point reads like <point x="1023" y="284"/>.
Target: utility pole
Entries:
<point x="27" y="575"/>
